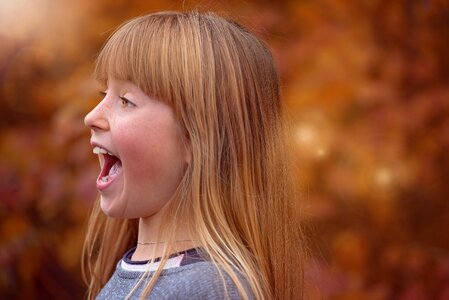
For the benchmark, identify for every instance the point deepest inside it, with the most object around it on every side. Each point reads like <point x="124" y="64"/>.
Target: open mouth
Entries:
<point x="112" y="167"/>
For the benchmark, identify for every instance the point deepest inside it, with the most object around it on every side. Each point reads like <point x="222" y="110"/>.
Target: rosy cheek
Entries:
<point x="143" y="153"/>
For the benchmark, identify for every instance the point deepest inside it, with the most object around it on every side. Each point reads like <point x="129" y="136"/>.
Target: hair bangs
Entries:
<point x="134" y="53"/>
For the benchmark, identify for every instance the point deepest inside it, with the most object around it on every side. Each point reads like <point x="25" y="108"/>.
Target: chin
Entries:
<point x="110" y="209"/>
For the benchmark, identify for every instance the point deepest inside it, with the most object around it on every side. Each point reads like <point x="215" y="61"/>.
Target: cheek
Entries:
<point x="141" y="156"/>
<point x="151" y="152"/>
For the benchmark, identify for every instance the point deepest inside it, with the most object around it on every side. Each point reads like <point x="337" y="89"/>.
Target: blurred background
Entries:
<point x="365" y="84"/>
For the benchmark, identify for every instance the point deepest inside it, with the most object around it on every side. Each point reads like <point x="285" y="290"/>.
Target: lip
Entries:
<point x="101" y="186"/>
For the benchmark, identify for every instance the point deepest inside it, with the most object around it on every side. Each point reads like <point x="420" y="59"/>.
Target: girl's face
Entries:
<point x="139" y="145"/>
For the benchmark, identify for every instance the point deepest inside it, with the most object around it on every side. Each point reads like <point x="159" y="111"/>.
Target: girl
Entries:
<point x="194" y="180"/>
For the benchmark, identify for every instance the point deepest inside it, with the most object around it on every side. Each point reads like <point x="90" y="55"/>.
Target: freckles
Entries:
<point x="145" y="152"/>
<point x="148" y="144"/>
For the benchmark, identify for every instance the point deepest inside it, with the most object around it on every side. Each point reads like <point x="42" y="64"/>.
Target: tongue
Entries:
<point x="116" y="167"/>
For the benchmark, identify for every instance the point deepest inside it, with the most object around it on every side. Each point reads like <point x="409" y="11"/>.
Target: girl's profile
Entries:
<point x="194" y="188"/>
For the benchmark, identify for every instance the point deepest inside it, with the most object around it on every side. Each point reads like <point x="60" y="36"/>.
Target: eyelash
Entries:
<point x="123" y="101"/>
<point x="126" y="103"/>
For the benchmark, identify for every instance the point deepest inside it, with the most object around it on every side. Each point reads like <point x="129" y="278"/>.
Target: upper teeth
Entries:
<point x="98" y="150"/>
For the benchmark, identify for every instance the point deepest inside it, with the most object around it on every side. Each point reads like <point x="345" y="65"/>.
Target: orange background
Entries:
<point x="366" y="86"/>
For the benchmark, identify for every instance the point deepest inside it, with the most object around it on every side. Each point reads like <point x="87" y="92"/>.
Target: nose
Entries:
<point x="97" y="119"/>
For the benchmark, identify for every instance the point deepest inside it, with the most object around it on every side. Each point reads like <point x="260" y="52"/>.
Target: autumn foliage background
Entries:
<point x="366" y="86"/>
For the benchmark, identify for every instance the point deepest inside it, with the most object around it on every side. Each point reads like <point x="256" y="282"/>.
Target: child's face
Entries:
<point x="148" y="158"/>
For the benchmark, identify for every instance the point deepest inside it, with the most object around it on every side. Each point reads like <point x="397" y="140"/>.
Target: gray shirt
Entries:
<point x="198" y="280"/>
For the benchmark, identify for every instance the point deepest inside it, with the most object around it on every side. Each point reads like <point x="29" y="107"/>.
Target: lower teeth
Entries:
<point x="114" y="170"/>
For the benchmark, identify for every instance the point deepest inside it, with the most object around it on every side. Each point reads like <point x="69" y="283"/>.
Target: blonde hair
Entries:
<point x="236" y="192"/>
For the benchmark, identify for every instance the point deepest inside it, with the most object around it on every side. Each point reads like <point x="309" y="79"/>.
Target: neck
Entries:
<point x="152" y="246"/>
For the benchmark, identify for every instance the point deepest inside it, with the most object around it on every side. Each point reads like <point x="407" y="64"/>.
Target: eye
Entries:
<point x="126" y="103"/>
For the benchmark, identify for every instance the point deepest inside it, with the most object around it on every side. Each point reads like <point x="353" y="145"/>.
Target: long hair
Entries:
<point x="236" y="193"/>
